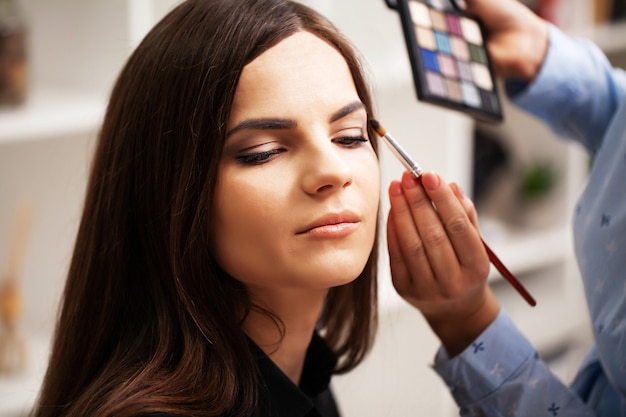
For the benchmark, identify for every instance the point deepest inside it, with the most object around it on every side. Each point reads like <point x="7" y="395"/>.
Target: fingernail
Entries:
<point x="409" y="181"/>
<point x="430" y="180"/>
<point x="395" y="189"/>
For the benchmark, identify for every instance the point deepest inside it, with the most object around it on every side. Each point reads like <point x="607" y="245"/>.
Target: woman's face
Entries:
<point x="298" y="191"/>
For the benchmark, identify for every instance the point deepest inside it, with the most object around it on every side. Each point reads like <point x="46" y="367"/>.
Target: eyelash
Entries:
<point x="351" y="141"/>
<point x="259" y="158"/>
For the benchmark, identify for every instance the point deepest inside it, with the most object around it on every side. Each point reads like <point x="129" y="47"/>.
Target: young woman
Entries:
<point x="225" y="263"/>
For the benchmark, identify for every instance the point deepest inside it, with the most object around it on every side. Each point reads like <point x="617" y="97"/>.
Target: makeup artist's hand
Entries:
<point x="437" y="259"/>
<point x="517" y="37"/>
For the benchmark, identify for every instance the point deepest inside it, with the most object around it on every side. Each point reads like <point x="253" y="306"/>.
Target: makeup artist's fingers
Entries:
<point x="452" y="243"/>
<point x="411" y="273"/>
<point x="420" y="249"/>
<point x="425" y="233"/>
<point x="426" y="270"/>
<point x="461" y="232"/>
<point x="467" y="204"/>
<point x="437" y="246"/>
<point x="401" y="276"/>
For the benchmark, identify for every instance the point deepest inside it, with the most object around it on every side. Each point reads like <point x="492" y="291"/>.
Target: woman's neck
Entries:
<point x="298" y="312"/>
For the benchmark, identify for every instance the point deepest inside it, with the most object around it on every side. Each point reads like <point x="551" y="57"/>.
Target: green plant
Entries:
<point x="536" y="181"/>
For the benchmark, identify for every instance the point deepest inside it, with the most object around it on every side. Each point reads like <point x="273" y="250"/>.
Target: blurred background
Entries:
<point x="58" y="61"/>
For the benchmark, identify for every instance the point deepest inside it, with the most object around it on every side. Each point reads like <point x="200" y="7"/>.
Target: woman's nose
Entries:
<point x="326" y="171"/>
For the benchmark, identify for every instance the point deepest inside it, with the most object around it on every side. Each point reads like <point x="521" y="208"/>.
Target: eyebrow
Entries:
<point x="262" y="124"/>
<point x="346" y="110"/>
<point x="272" y="124"/>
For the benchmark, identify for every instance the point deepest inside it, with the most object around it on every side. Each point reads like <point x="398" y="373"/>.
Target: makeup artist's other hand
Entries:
<point x="517" y="37"/>
<point x="437" y="259"/>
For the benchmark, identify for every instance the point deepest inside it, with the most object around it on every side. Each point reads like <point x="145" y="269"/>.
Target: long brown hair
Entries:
<point x="148" y="320"/>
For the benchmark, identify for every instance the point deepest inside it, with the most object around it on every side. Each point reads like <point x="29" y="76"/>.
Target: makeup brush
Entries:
<point x="417" y="172"/>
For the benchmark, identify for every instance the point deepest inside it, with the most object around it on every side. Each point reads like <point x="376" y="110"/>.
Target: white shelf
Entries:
<point x="524" y="252"/>
<point x="51" y="114"/>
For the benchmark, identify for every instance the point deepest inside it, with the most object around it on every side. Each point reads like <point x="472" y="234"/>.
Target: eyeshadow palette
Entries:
<point x="449" y="58"/>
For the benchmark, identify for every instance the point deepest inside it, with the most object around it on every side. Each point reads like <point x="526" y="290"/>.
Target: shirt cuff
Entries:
<point x="495" y="357"/>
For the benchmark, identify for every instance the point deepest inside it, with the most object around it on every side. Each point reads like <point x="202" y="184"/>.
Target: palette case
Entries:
<point x="449" y="59"/>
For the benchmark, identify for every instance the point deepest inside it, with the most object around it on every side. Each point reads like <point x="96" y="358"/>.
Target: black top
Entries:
<point x="280" y="397"/>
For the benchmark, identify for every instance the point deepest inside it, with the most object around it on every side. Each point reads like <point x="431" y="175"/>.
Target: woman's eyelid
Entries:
<point x="257" y="148"/>
<point x="256" y="144"/>
<point x="354" y="125"/>
<point x="350" y="132"/>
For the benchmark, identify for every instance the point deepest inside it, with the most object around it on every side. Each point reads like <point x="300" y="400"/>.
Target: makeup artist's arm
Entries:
<point x="437" y="259"/>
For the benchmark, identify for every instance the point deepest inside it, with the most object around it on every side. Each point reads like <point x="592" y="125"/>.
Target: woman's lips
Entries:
<point x="332" y="225"/>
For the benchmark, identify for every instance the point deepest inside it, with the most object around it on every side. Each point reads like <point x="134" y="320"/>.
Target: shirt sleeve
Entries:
<point x="500" y="374"/>
<point x="576" y="91"/>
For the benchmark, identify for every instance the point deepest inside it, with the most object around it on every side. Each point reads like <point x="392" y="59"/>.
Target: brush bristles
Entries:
<point x="377" y="127"/>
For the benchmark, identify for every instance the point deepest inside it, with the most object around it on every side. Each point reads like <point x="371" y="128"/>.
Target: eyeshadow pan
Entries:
<point x="459" y="48"/>
<point x="490" y="101"/>
<point x="482" y="77"/>
<point x="420" y="14"/>
<point x="435" y="84"/>
<point x="478" y="54"/>
<point x="447" y="66"/>
<point x="454" y="90"/>
<point x="471" y="97"/>
<point x="426" y="38"/>
<point x="430" y="60"/>
<point x="471" y="31"/>
<point x="465" y="71"/>
<point x="439" y="20"/>
<point x="443" y="43"/>
<point x="454" y="24"/>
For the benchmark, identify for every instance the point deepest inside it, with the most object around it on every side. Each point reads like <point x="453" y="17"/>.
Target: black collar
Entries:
<point x="280" y="397"/>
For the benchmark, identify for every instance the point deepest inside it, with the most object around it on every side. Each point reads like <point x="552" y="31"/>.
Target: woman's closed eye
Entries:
<point x="258" y="158"/>
<point x="251" y="157"/>
<point x="351" y="141"/>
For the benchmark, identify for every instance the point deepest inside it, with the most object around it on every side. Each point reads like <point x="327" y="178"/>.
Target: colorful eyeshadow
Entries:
<point x="490" y="101"/>
<point x="477" y="53"/>
<point x="482" y="77"/>
<point x="435" y="84"/>
<point x="470" y="93"/>
<point x="430" y="60"/>
<point x="426" y="38"/>
<point x="454" y="90"/>
<point x="447" y="65"/>
<point x="465" y="71"/>
<point x="443" y="42"/>
<point x="459" y="47"/>
<point x="448" y="58"/>
<point x="439" y="20"/>
<point x="471" y="31"/>
<point x="420" y="14"/>
<point x="454" y="24"/>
